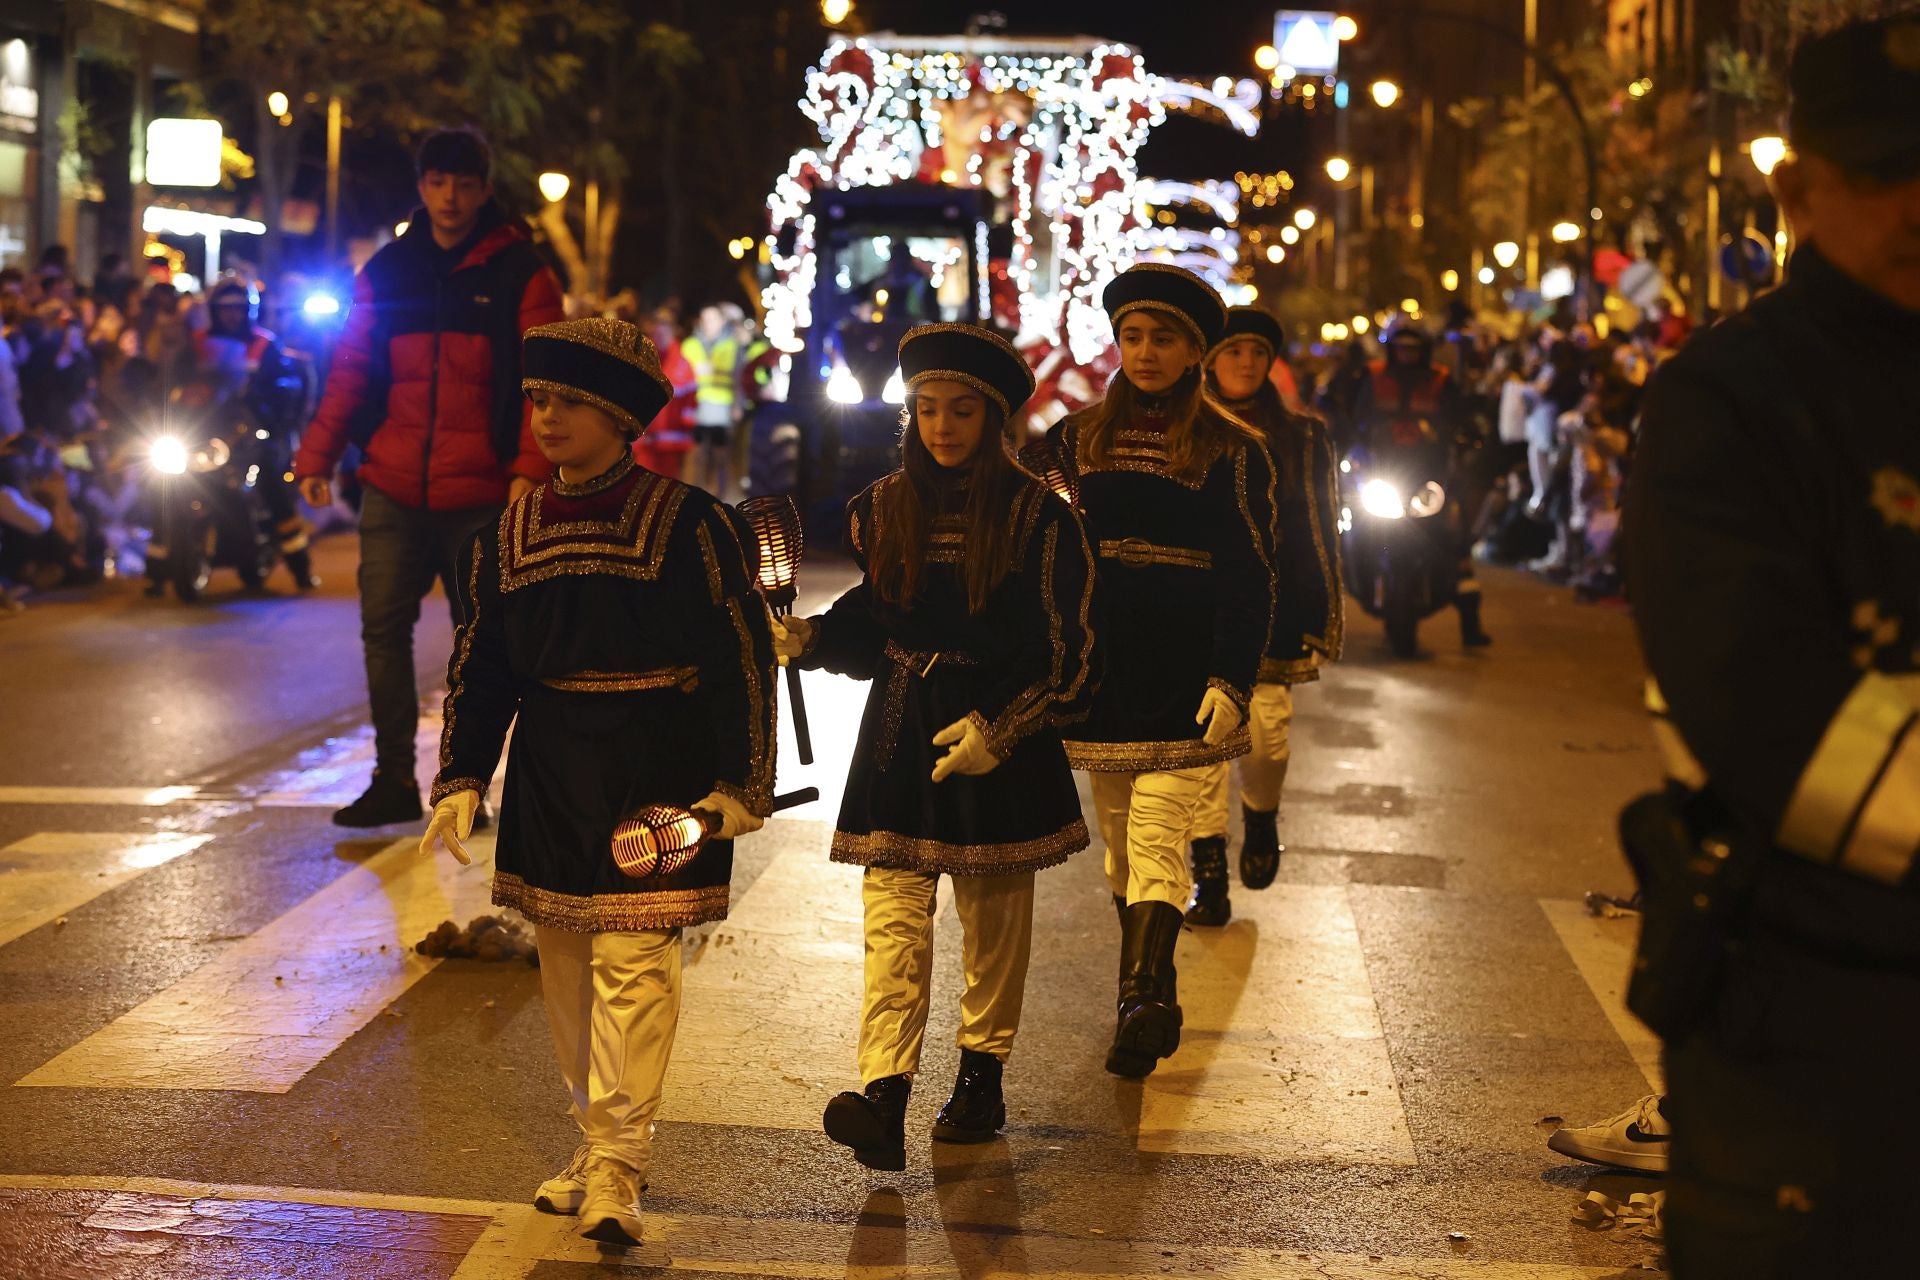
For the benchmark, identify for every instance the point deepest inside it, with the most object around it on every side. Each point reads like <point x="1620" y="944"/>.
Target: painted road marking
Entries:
<point x="515" y="1240"/>
<point x="781" y="1047"/>
<point x="269" y="1009"/>
<point x="151" y="797"/>
<point x="1282" y="1055"/>
<point x="51" y="873"/>
<point x="335" y="772"/>
<point x="1603" y="952"/>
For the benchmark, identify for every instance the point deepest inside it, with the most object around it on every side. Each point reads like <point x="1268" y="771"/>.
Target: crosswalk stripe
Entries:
<point x="1602" y="950"/>
<point x="763" y="1050"/>
<point x="516" y="1240"/>
<point x="52" y="873"/>
<point x="151" y="797"/>
<point x="1282" y="1054"/>
<point x="270" y="1008"/>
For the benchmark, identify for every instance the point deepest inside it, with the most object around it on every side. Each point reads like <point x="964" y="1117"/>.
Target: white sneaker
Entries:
<point x="1637" y="1138"/>
<point x="610" y="1211"/>
<point x="563" y="1192"/>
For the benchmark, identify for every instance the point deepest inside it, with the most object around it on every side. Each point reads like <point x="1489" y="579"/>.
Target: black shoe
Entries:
<point x="873" y="1123"/>
<point x="1260" y="847"/>
<point x="1210" y="907"/>
<point x="1471" y="634"/>
<point x="387" y="800"/>
<point x="1148" y="1025"/>
<point x="977" y="1111"/>
<point x="300" y="565"/>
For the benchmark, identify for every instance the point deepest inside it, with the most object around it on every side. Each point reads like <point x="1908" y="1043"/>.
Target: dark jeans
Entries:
<point x="402" y="550"/>
<point x="1793" y="1121"/>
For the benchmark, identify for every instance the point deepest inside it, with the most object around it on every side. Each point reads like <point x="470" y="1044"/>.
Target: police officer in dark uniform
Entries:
<point x="1774" y="553"/>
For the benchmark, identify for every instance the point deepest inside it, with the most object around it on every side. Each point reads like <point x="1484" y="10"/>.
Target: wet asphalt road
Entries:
<point x="1372" y="1045"/>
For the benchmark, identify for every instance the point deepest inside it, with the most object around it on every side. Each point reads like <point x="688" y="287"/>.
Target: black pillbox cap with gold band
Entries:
<point x="1171" y="292"/>
<point x="970" y="355"/>
<point x="607" y="363"/>
<point x="1250" y="322"/>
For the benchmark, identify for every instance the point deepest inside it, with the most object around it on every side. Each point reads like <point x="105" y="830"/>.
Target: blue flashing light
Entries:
<point x="319" y="305"/>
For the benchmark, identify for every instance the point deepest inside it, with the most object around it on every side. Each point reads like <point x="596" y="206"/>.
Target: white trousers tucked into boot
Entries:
<point x="613" y="1003"/>
<point x="1145" y="820"/>
<point x="1263" y="772"/>
<point x="996" y="937"/>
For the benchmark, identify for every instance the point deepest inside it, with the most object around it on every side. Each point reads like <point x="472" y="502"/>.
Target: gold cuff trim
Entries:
<point x="1840" y="778"/>
<point x="685" y="679"/>
<point x="758" y="802"/>
<point x="1288" y="670"/>
<point x="1152" y="757"/>
<point x="937" y="857"/>
<point x="610" y="912"/>
<point x="453" y="786"/>
<point x="1240" y="700"/>
<point x="1137" y="553"/>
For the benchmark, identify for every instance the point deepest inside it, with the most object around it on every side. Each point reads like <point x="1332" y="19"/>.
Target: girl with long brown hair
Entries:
<point x="1307" y="609"/>
<point x="974" y="620"/>
<point x="1178" y="496"/>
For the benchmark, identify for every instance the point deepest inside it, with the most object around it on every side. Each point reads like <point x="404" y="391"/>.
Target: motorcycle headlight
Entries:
<point x="1430" y="501"/>
<point x="168" y="456"/>
<point x="895" y="391"/>
<point x="1381" y="499"/>
<point x="843" y="387"/>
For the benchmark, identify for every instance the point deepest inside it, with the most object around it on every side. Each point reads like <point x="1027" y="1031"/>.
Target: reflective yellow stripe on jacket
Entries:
<point x="1857" y="804"/>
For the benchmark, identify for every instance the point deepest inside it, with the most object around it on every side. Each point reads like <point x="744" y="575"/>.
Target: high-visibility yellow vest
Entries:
<point x="715" y="368"/>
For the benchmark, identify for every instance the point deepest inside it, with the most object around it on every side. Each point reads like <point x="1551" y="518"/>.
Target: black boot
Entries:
<point x="976" y="1112"/>
<point x="1210" y="907"/>
<point x="873" y="1123"/>
<point x="1470" y="633"/>
<point x="1260" y="847"/>
<point x="300" y="565"/>
<point x="389" y="798"/>
<point x="1148" y="1026"/>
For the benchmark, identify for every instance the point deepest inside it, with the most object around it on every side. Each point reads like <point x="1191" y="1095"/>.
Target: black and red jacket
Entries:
<point x="426" y="376"/>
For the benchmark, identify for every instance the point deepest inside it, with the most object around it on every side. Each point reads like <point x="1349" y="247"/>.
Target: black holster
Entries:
<point x="1696" y="885"/>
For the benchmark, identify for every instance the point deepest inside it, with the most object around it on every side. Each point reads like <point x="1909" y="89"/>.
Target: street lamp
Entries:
<point x="277" y="104"/>
<point x="1345" y="29"/>
<point x="1486" y="275"/>
<point x="1385" y="93"/>
<point x="835" y="12"/>
<point x="1566" y="232"/>
<point x="1506" y="253"/>
<point x="1290" y="235"/>
<point x="1266" y="57"/>
<point x="1410" y="305"/>
<point x="1276" y="255"/>
<point x="1361" y="324"/>
<point x="1450" y="280"/>
<point x="1339" y="168"/>
<point x="554" y="186"/>
<point x="1767" y="153"/>
<point x="1304" y="219"/>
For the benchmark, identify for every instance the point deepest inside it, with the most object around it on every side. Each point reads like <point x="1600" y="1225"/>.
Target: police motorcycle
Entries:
<point x="1398" y="547"/>
<point x="204" y="462"/>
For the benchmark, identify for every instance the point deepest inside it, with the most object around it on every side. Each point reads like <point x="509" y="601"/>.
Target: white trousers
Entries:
<point x="996" y="937"/>
<point x="1263" y="771"/>
<point x="1145" y="820"/>
<point x="613" y="1003"/>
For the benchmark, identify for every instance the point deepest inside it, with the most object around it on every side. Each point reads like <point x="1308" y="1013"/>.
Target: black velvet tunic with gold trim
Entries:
<point x="619" y="620"/>
<point x="1024" y="665"/>
<point x="1187" y="585"/>
<point x="1308" y="612"/>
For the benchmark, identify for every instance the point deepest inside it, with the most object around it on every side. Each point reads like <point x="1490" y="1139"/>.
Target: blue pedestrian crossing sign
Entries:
<point x="1307" y="42"/>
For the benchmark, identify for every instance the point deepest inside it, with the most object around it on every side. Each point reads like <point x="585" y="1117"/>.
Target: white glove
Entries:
<point x="969" y="755"/>
<point x="791" y="636"/>
<point x="1220" y="716"/>
<point x="735" y="821"/>
<point x="452" y="823"/>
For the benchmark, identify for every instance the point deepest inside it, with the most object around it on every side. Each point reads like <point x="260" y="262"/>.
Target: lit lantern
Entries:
<point x="660" y="839"/>
<point x="775" y="522"/>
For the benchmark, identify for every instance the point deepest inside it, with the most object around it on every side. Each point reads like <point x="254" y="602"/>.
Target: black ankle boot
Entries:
<point x="1210" y="907"/>
<point x="1260" y="847"/>
<point x="389" y="798"/>
<point x="873" y="1123"/>
<point x="1148" y="1026"/>
<point x="977" y="1111"/>
<point x="1470" y="633"/>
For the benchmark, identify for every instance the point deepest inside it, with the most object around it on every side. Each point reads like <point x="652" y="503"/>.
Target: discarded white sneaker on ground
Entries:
<point x="563" y="1192"/>
<point x="610" y="1209"/>
<point x="1637" y="1138"/>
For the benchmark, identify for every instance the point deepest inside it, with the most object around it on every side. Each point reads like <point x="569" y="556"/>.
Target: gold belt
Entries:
<point x="1138" y="553"/>
<point x="685" y="679"/>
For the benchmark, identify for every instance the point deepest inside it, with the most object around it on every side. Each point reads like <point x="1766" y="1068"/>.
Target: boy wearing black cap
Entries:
<point x="613" y="613"/>
<point x="1773" y="535"/>
<point x="975" y="622"/>
<point x="1307" y="610"/>
<point x="1178" y="497"/>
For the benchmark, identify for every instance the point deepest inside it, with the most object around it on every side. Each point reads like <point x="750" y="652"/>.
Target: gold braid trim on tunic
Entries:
<point x="936" y="857"/>
<point x="757" y="793"/>
<point x="457" y="681"/>
<point x="611" y="912"/>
